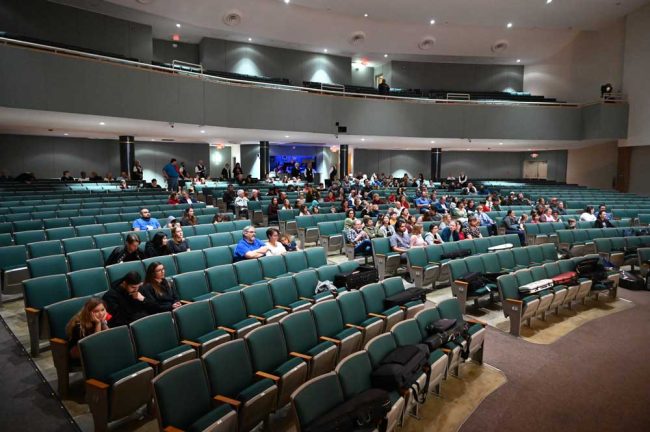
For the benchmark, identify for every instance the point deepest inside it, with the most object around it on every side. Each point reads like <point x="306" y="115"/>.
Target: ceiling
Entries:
<point x="463" y="28"/>
<point x="56" y="124"/>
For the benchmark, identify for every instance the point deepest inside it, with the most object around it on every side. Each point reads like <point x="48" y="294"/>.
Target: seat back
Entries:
<point x="379" y="347"/>
<point x="198" y="242"/>
<point x="99" y="362"/>
<point x="328" y="318"/>
<point x="191" y="285"/>
<point x="154" y="334"/>
<point x="352" y="307"/>
<point x="316" y="397"/>
<point x="60" y="313"/>
<point x="407" y="332"/>
<point x="85" y="259"/>
<point x="218" y="255"/>
<point x="296" y="261"/>
<point x="228" y="309"/>
<point x="373" y="297"/>
<point x="46" y="290"/>
<point x="248" y="271"/>
<point x="267" y="347"/>
<point x="190" y="261"/>
<point x="283" y="290"/>
<point x="299" y="331"/>
<point x="117" y="271"/>
<point x="273" y="266"/>
<point x="426" y="317"/>
<point x="76" y="244"/>
<point x="88" y="281"/>
<point x="44" y="248"/>
<point x="257" y="299"/>
<point x="47" y="265"/>
<point x="354" y="374"/>
<point x="229" y="368"/>
<point x="221" y="278"/>
<point x="327" y="272"/>
<point x="316" y="257"/>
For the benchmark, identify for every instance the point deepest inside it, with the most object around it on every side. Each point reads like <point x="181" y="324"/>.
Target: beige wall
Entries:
<point x="576" y="72"/>
<point x="593" y="166"/>
<point x="640" y="170"/>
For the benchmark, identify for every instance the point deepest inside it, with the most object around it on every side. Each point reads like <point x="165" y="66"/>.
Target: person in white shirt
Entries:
<point x="588" y="215"/>
<point x="241" y="203"/>
<point x="273" y="244"/>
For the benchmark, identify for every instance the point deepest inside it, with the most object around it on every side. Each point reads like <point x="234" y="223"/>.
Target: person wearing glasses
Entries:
<point x="249" y="247"/>
<point x="160" y="295"/>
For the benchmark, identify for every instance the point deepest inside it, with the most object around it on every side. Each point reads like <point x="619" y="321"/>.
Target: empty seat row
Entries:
<point x="580" y="242"/>
<point x="621" y="250"/>
<point x="521" y="306"/>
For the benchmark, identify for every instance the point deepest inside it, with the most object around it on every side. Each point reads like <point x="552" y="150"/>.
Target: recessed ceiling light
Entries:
<point x="287" y="1"/>
<point x="363" y="139"/>
<point x="286" y="136"/>
<point x="500" y="143"/>
<point x="529" y="149"/>
<point x="202" y="131"/>
<point x="66" y="134"/>
<point x="433" y="142"/>
<point x="518" y="60"/>
<point x="250" y="39"/>
<point x="102" y="123"/>
<point x="549" y="1"/>
<point x="365" y="15"/>
<point x="178" y="25"/>
<point x="432" y="22"/>
<point x="509" y="25"/>
<point x="325" y="50"/>
<point x="385" y="55"/>
<point x="467" y="149"/>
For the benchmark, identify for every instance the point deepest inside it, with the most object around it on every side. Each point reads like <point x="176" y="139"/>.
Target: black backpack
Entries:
<point x="363" y="412"/>
<point x="593" y="269"/>
<point x="475" y="281"/>
<point x="408" y="295"/>
<point x="401" y="368"/>
<point x="440" y="333"/>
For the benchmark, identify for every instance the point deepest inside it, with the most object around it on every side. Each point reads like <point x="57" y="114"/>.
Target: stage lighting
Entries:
<point x="605" y="89"/>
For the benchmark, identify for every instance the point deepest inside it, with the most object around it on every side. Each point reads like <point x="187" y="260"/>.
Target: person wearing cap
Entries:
<point x="145" y="222"/>
<point x="171" y="221"/>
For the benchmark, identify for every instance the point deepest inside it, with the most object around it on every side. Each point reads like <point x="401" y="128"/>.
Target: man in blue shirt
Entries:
<point x="423" y="203"/>
<point x="400" y="242"/>
<point x="249" y="247"/>
<point x="145" y="222"/>
<point x="486" y="221"/>
<point x="170" y="172"/>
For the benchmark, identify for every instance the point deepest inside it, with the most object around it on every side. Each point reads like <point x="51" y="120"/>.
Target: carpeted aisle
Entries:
<point x="26" y="401"/>
<point x="596" y="378"/>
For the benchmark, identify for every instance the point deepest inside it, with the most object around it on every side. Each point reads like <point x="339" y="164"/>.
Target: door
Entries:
<point x="535" y="170"/>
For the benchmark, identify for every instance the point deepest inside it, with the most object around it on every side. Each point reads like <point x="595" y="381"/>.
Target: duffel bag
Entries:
<point x="363" y="412"/>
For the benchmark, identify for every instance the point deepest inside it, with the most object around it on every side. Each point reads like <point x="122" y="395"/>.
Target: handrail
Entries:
<point x="183" y="63"/>
<point x="235" y="81"/>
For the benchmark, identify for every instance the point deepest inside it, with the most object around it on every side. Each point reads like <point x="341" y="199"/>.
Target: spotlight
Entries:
<point x="606" y="89"/>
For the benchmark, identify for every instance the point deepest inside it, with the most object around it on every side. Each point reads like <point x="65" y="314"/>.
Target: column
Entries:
<point x="436" y="164"/>
<point x="343" y="165"/>
<point x="127" y="153"/>
<point x="264" y="159"/>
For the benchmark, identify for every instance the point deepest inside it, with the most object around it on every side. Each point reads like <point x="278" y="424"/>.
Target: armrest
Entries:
<point x="31" y="310"/>
<point x="380" y="255"/>
<point x="445" y="350"/>
<point x="475" y="321"/>
<point x="302" y="356"/>
<point x="223" y="399"/>
<point x="374" y="315"/>
<point x="283" y="307"/>
<point x="514" y="302"/>
<point x="58" y="341"/>
<point x="267" y="376"/>
<point x="307" y="299"/>
<point x="460" y="282"/>
<point x="186" y="302"/>
<point x="227" y="329"/>
<point x="191" y="343"/>
<point x="328" y="339"/>
<point x="417" y="267"/>
<point x="355" y="327"/>
<point x="172" y="429"/>
<point x="150" y="361"/>
<point x="259" y="318"/>
<point x="97" y="384"/>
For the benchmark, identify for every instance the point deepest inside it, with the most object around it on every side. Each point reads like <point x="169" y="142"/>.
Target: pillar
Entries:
<point x="127" y="153"/>
<point x="264" y="159"/>
<point x="343" y="158"/>
<point x="436" y="164"/>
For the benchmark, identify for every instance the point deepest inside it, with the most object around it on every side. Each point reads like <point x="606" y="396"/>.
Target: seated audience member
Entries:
<point x="603" y="207"/>
<point x="89" y="320"/>
<point x="249" y="247"/>
<point x="384" y="227"/>
<point x="512" y="226"/>
<point x="187" y="198"/>
<point x="410" y="223"/>
<point x="571" y="223"/>
<point x="178" y="243"/>
<point x="359" y="238"/>
<point x="288" y="242"/>
<point x="124" y="301"/>
<point x="602" y="221"/>
<point x="452" y="232"/>
<point x="588" y="215"/>
<point x="83" y="177"/>
<point x="172" y="222"/>
<point x="486" y="221"/>
<point x="459" y="213"/>
<point x="441" y="205"/>
<point x="369" y="227"/>
<point x="348" y="223"/>
<point x="560" y="208"/>
<point x="446" y="219"/>
<point x="423" y="203"/>
<point x="400" y="242"/>
<point x="129" y="252"/>
<point x="154" y="184"/>
<point x="416" y="236"/>
<point x="145" y="222"/>
<point x="557" y="216"/>
<point x="109" y="177"/>
<point x="273" y="244"/>
<point x="547" y="216"/>
<point x="241" y="204"/>
<point x="473" y="228"/>
<point x="274" y="206"/>
<point x="304" y="211"/>
<point x="173" y="199"/>
<point x="229" y="197"/>
<point x="188" y="217"/>
<point x="94" y="177"/>
<point x="123" y="185"/>
<point x="160" y="295"/>
<point x="433" y="236"/>
<point x="157" y="246"/>
<point x="218" y="218"/>
<point x="66" y="177"/>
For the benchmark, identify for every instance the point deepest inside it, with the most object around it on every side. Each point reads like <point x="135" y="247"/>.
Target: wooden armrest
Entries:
<point x="186" y="302"/>
<point x="32" y="310"/>
<point x="475" y="321"/>
<point x="355" y="327"/>
<point x="328" y="339"/>
<point x="151" y="361"/>
<point x="227" y="329"/>
<point x="417" y="267"/>
<point x="97" y="384"/>
<point x="259" y="318"/>
<point x="283" y="307"/>
<point x="58" y="341"/>
<point x="223" y="399"/>
<point x="460" y="282"/>
<point x="267" y="376"/>
<point x="380" y="255"/>
<point x="374" y="315"/>
<point x="172" y="429"/>
<point x="445" y="350"/>
<point x="302" y="356"/>
<point x="513" y="301"/>
<point x="267" y="278"/>
<point x="307" y="299"/>
<point x="191" y="343"/>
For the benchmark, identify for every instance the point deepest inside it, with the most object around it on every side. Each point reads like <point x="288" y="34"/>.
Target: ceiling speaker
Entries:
<point x="427" y="43"/>
<point x="500" y="46"/>
<point x="357" y="38"/>
<point x="232" y="18"/>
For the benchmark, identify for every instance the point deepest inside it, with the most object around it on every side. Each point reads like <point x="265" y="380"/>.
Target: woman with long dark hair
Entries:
<point x="157" y="246"/>
<point x="157" y="289"/>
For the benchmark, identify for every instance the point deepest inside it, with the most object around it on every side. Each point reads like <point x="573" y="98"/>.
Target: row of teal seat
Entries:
<point x="520" y="307"/>
<point x="271" y="361"/>
<point x="547" y="231"/>
<point x="26" y="206"/>
<point x="580" y="242"/>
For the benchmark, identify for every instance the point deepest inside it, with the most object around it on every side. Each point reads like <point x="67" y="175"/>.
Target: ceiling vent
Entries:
<point x="232" y="18"/>
<point x="357" y="38"/>
<point x="168" y="140"/>
<point x="427" y="43"/>
<point x="500" y="46"/>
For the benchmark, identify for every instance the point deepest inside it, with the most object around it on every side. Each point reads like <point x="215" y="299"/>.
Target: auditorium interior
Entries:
<point x="324" y="215"/>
